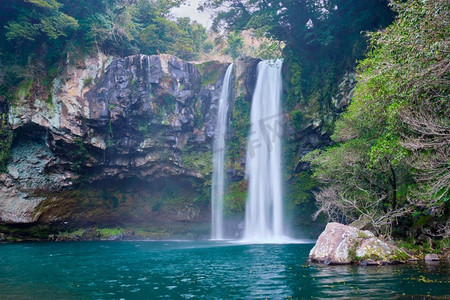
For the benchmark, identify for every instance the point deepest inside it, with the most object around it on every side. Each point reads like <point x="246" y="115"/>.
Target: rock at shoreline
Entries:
<point x="341" y="244"/>
<point x="431" y="257"/>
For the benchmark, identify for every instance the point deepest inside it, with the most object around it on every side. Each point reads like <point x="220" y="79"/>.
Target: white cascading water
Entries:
<point x="218" y="178"/>
<point x="264" y="207"/>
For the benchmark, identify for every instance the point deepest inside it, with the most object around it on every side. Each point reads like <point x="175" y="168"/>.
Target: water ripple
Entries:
<point x="211" y="270"/>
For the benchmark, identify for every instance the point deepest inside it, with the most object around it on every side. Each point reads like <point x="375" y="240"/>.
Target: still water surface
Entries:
<point x="201" y="269"/>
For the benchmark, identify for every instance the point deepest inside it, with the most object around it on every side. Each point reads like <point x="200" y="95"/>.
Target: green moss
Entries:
<point x="154" y="232"/>
<point x="49" y="100"/>
<point x="168" y="101"/>
<point x="88" y="82"/>
<point x="423" y="220"/>
<point x="298" y="120"/>
<point x="90" y="233"/>
<point x="23" y="90"/>
<point x="235" y="197"/>
<point x="240" y="126"/>
<point x="311" y="82"/>
<point x="198" y="115"/>
<point x="175" y="230"/>
<point x="210" y="72"/>
<point x="54" y="70"/>
<point x="300" y="187"/>
<point x="374" y="253"/>
<point x="71" y="233"/>
<point x="6" y="139"/>
<point x="165" y="107"/>
<point x="197" y="160"/>
<point x="79" y="154"/>
<point x="352" y="252"/>
<point x="361" y="235"/>
<point x="424" y="247"/>
<point x="171" y="196"/>
<point x="147" y="231"/>
<point x="109" y="232"/>
<point x="293" y="79"/>
<point x="442" y="244"/>
<point x="399" y="256"/>
<point x="17" y="233"/>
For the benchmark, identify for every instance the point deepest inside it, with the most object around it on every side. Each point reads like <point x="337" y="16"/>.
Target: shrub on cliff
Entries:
<point x="6" y="137"/>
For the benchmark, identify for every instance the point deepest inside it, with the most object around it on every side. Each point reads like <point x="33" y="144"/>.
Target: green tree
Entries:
<point x="43" y="17"/>
<point x="158" y="34"/>
<point x="6" y="138"/>
<point x="235" y="45"/>
<point x="391" y="162"/>
<point x="39" y="35"/>
<point x="323" y="40"/>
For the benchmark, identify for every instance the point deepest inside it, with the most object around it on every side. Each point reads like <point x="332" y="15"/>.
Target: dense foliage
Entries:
<point x="322" y="40"/>
<point x="39" y="35"/>
<point x="6" y="138"/>
<point x="391" y="164"/>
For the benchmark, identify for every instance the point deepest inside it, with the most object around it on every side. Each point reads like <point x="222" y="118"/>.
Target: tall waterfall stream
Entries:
<point x="218" y="178"/>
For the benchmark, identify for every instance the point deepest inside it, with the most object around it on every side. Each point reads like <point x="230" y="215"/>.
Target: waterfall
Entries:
<point x="264" y="207"/>
<point x="218" y="178"/>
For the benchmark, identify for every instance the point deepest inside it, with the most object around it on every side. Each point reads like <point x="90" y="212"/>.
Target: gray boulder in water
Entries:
<point x="342" y="244"/>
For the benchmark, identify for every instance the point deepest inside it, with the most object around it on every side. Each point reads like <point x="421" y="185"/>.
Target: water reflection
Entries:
<point x="266" y="265"/>
<point x="381" y="281"/>
<point x="354" y="281"/>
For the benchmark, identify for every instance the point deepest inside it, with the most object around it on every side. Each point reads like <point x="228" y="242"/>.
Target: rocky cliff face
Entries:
<point x="314" y="134"/>
<point x="128" y="140"/>
<point x="106" y="140"/>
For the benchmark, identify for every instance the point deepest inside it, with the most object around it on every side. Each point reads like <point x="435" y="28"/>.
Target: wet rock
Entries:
<point x="431" y="257"/>
<point x="28" y="175"/>
<point x="345" y="92"/>
<point x="341" y="244"/>
<point x="361" y="225"/>
<point x="129" y="235"/>
<point x="90" y="234"/>
<point x="188" y="213"/>
<point x="315" y="133"/>
<point x="117" y="237"/>
<point x="132" y="111"/>
<point x="109" y="119"/>
<point x="246" y="74"/>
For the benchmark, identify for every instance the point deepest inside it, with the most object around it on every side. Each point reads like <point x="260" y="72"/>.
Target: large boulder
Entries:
<point x="341" y="244"/>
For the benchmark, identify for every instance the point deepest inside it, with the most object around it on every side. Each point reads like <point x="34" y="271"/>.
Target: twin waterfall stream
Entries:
<point x="218" y="179"/>
<point x="264" y="206"/>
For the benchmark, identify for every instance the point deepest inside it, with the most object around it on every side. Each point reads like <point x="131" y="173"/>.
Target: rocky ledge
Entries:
<point x="341" y="244"/>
